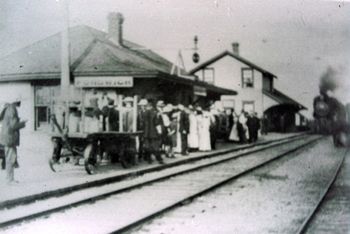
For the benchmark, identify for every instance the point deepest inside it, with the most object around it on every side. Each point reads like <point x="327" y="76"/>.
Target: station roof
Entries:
<point x="228" y="53"/>
<point x="91" y="53"/>
<point x="283" y="99"/>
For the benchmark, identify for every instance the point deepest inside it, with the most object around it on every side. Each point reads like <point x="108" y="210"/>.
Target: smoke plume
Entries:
<point x="328" y="80"/>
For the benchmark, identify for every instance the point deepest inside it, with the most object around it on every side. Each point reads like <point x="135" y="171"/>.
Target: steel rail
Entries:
<point x="161" y="178"/>
<point x="69" y="189"/>
<point x="207" y="190"/>
<point x="302" y="229"/>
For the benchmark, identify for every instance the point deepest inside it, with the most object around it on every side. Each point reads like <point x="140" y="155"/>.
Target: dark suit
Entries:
<point x="214" y="130"/>
<point x="253" y="124"/>
<point x="113" y="118"/>
<point x="151" y="135"/>
<point x="184" y="128"/>
<point x="141" y="127"/>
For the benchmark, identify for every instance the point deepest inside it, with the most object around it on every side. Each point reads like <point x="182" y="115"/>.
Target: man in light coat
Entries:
<point x="9" y="137"/>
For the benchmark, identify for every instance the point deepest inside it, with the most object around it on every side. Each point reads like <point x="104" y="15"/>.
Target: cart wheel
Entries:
<point x="90" y="160"/>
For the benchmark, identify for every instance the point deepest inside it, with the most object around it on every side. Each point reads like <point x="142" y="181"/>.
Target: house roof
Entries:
<point x="228" y="53"/>
<point x="283" y="99"/>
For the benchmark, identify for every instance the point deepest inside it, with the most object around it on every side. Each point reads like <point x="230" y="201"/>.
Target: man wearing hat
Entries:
<point x="9" y="137"/>
<point x="153" y="132"/>
<point x="141" y="126"/>
<point x="110" y="117"/>
<point x="184" y="127"/>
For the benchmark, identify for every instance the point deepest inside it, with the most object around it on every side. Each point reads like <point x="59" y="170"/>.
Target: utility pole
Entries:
<point x="65" y="79"/>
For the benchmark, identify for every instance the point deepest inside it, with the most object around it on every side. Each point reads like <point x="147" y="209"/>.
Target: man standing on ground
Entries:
<point x="255" y="125"/>
<point x="141" y="126"/>
<point x="153" y="133"/>
<point x="9" y="137"/>
<point x="184" y="127"/>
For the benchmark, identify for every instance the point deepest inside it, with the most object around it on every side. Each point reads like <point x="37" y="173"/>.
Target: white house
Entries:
<point x="255" y="87"/>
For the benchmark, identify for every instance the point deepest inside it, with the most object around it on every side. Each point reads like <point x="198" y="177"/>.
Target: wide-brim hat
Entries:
<point x="180" y="107"/>
<point x="13" y="99"/>
<point x="128" y="99"/>
<point x="168" y="108"/>
<point x="199" y="108"/>
<point x="143" y="102"/>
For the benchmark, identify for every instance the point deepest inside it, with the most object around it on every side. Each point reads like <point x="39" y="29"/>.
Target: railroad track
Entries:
<point x="304" y="227"/>
<point x="111" y="179"/>
<point x="52" y="205"/>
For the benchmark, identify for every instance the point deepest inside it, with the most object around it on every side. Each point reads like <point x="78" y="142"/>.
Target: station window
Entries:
<point x="247" y="78"/>
<point x="228" y="103"/>
<point x="45" y="97"/>
<point x="248" y="106"/>
<point x="209" y="75"/>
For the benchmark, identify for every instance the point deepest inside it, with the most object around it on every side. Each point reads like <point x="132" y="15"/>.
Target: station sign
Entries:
<point x="199" y="91"/>
<point x="104" y="82"/>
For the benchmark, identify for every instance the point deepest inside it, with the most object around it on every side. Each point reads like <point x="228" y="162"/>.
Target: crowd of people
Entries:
<point x="168" y="129"/>
<point x="244" y="127"/>
<point x="173" y="129"/>
<point x="165" y="129"/>
<point x="178" y="129"/>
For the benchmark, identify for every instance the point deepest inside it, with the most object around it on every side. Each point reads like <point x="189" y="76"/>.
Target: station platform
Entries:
<point x="36" y="178"/>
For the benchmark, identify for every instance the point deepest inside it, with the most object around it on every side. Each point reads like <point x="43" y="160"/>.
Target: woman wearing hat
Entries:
<point x="128" y="117"/>
<point x="193" y="130"/>
<point x="169" y="132"/>
<point x="203" y="130"/>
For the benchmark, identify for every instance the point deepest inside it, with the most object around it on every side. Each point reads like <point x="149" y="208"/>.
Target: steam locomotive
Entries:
<point x="331" y="118"/>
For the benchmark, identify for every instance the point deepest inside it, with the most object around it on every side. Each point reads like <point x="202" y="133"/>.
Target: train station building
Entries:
<point x="97" y="59"/>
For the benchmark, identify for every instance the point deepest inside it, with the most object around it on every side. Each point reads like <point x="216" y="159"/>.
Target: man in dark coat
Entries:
<point x="141" y="126"/>
<point x="250" y="127"/>
<point x="110" y="117"/>
<point x="255" y="127"/>
<point x="184" y="128"/>
<point x="152" y="134"/>
<point x="10" y="136"/>
<point x="214" y="127"/>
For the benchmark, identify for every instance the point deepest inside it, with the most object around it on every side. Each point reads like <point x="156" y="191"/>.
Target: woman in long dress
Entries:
<point x="192" y="138"/>
<point x="234" y="132"/>
<point x="203" y="131"/>
<point x="242" y="127"/>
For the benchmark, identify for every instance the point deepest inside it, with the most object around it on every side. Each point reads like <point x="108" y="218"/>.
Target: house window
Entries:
<point x="247" y="78"/>
<point x="209" y="75"/>
<point x="248" y="106"/>
<point x="267" y="83"/>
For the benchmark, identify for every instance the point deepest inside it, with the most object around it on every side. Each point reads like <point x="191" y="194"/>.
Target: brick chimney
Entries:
<point x="235" y="48"/>
<point x="115" y="28"/>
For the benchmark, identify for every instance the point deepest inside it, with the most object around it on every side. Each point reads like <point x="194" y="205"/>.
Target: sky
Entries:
<point x="295" y="40"/>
